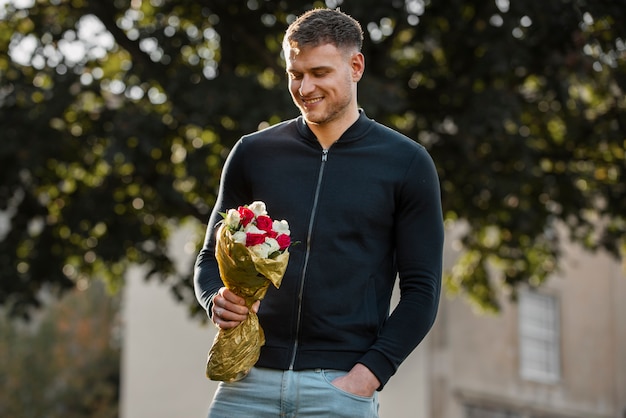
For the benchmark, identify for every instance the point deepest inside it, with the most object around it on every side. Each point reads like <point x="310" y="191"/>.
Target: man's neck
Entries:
<point x="328" y="133"/>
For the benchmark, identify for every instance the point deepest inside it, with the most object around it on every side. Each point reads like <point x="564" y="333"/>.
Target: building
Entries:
<point x="559" y="353"/>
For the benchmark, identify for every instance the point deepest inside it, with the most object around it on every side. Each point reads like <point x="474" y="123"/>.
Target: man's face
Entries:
<point x="322" y="81"/>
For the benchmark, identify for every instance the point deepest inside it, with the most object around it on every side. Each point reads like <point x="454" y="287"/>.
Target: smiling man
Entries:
<point x="323" y="82"/>
<point x="364" y="202"/>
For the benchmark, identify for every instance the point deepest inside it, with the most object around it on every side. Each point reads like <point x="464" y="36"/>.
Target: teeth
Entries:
<point x="312" y="101"/>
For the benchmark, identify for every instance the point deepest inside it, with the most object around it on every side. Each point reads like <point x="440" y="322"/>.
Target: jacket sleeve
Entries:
<point x="233" y="192"/>
<point x="419" y="236"/>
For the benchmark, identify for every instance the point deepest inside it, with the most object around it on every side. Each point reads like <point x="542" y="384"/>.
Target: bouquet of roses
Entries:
<point x="252" y="252"/>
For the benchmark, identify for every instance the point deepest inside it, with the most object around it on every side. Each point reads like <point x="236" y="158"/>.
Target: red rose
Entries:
<point x="284" y="241"/>
<point x="264" y="223"/>
<point x="254" y="239"/>
<point x="246" y="215"/>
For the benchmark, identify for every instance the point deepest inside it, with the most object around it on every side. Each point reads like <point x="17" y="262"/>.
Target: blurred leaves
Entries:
<point x="116" y="118"/>
<point x="65" y="363"/>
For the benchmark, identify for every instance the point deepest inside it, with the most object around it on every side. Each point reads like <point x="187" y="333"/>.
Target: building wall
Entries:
<point x="476" y="358"/>
<point x="163" y="355"/>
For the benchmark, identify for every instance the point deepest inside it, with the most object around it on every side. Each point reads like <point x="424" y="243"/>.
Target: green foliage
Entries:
<point x="64" y="363"/>
<point x="116" y="118"/>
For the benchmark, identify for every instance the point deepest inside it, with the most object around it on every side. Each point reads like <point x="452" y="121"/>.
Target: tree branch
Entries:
<point x="104" y="11"/>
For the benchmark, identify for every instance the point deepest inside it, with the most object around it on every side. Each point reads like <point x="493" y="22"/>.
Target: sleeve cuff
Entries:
<point x="378" y="364"/>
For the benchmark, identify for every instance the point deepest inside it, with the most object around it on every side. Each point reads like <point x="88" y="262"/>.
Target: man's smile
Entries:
<point x="311" y="101"/>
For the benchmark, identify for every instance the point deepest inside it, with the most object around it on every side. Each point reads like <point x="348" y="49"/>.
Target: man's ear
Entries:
<point x="357" y="63"/>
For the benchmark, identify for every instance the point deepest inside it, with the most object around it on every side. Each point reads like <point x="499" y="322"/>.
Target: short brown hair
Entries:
<point x="324" y="26"/>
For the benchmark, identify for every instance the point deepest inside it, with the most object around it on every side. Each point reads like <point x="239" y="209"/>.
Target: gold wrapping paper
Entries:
<point x="235" y="351"/>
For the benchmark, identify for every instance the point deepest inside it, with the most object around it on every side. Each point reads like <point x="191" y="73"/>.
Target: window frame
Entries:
<point x="539" y="330"/>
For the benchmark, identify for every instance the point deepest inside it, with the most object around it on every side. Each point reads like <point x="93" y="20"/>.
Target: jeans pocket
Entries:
<point x="330" y="374"/>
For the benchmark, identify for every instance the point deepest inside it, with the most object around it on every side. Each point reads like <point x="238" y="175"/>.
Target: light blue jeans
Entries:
<point x="269" y="393"/>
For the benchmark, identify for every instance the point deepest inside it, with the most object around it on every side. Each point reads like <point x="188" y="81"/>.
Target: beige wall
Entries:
<point x="163" y="355"/>
<point x="476" y="358"/>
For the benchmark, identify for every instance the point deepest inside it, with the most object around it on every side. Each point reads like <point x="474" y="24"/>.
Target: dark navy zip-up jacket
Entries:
<point x="366" y="211"/>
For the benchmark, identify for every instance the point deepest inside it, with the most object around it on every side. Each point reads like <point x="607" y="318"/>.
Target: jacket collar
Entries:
<point x="355" y="132"/>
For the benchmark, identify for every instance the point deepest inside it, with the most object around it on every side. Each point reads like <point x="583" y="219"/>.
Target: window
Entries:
<point x="539" y="337"/>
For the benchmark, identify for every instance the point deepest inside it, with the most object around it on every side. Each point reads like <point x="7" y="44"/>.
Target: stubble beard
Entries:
<point x="328" y="116"/>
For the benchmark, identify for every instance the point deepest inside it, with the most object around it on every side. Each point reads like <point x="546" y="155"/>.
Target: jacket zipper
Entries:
<point x="306" y="256"/>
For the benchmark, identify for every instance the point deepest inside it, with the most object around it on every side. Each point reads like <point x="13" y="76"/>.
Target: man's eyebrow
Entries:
<point x="322" y="68"/>
<point x="314" y="69"/>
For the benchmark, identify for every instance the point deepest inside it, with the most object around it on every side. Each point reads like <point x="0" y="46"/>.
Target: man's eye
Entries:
<point x="295" y="76"/>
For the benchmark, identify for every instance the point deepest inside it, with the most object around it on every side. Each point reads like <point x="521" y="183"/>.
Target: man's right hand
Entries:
<point x="229" y="309"/>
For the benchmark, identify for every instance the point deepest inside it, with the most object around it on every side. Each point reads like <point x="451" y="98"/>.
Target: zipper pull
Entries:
<point x="324" y="155"/>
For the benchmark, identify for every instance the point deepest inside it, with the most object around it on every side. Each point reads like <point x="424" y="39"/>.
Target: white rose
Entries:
<point x="258" y="208"/>
<point x="261" y="250"/>
<point x="233" y="219"/>
<point x="272" y="244"/>
<point x="281" y="227"/>
<point x="252" y="229"/>
<point x="239" y="237"/>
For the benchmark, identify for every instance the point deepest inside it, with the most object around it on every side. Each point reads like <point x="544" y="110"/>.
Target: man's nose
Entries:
<point x="306" y="86"/>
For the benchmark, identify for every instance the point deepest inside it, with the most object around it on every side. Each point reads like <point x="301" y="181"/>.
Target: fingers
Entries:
<point x="229" y="310"/>
<point x="255" y="306"/>
<point x="232" y="297"/>
<point x="220" y="318"/>
<point x="226" y="319"/>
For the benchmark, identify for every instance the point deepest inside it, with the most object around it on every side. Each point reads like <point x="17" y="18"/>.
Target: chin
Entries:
<point x="313" y="120"/>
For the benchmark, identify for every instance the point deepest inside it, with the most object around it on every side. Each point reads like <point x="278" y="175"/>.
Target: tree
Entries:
<point x="65" y="362"/>
<point x="116" y="118"/>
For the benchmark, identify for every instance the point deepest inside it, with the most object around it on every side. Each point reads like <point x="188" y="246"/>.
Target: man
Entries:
<point x="364" y="202"/>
